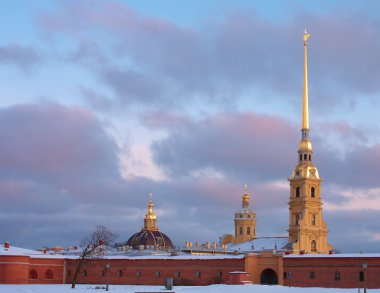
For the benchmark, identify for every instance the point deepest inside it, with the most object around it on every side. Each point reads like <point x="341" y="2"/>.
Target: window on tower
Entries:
<point x="241" y="231"/>
<point x="313" y="219"/>
<point x="305" y="157"/>
<point x="300" y="157"/>
<point x="298" y="191"/>
<point x="312" y="192"/>
<point x="248" y="230"/>
<point x="309" y="157"/>
<point x="297" y="218"/>
<point x="313" y="245"/>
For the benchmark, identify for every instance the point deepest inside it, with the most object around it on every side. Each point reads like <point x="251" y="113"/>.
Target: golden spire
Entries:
<point x="305" y="96"/>
<point x="305" y="149"/>
<point x="150" y="221"/>
<point x="150" y="205"/>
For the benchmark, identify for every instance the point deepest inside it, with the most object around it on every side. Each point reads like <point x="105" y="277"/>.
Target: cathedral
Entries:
<point x="307" y="230"/>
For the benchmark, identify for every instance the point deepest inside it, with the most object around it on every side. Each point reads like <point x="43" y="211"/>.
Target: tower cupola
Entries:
<point x="245" y="220"/>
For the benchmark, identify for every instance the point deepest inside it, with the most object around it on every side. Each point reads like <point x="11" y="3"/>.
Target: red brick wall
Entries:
<point x="211" y="271"/>
<point x="324" y="269"/>
<point x="14" y="269"/>
<point x="42" y="265"/>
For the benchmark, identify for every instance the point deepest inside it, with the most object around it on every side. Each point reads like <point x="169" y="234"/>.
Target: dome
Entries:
<point x="150" y="240"/>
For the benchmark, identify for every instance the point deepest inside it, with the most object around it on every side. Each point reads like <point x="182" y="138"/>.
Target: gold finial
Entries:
<point x="306" y="36"/>
<point x="150" y="205"/>
<point x="245" y="198"/>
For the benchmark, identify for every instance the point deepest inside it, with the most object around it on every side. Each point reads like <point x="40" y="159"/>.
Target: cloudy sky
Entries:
<point x="103" y="102"/>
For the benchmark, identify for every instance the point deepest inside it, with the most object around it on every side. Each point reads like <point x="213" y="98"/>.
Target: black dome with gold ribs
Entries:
<point x="150" y="237"/>
<point x="150" y="240"/>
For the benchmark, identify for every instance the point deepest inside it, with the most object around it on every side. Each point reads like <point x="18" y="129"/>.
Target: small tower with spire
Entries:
<point x="245" y="220"/>
<point x="307" y="230"/>
<point x="150" y="220"/>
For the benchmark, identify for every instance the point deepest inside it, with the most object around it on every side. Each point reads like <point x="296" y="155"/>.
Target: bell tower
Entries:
<point x="245" y="220"/>
<point x="307" y="230"/>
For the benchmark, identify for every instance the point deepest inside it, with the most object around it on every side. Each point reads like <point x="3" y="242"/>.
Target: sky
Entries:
<point x="103" y="102"/>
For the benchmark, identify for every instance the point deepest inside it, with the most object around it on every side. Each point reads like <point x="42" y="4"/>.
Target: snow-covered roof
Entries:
<point x="17" y="251"/>
<point x="260" y="244"/>
<point x="132" y="254"/>
<point x="359" y="255"/>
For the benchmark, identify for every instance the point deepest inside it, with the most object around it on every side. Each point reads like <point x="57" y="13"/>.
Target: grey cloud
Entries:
<point x="240" y="145"/>
<point x="353" y="231"/>
<point x="24" y="57"/>
<point x="220" y="61"/>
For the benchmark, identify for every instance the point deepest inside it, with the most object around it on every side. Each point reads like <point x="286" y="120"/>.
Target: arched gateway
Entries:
<point x="268" y="277"/>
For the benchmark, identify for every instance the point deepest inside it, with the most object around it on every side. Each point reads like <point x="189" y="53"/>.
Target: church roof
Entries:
<point x="149" y="238"/>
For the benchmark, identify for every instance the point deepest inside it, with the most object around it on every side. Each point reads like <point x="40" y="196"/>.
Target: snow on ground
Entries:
<point x="176" y="289"/>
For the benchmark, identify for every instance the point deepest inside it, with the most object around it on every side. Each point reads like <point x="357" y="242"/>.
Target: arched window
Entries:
<point x="219" y="274"/>
<point x="298" y="191"/>
<point x="157" y="274"/>
<point x="305" y="157"/>
<point x="241" y="231"/>
<point x="311" y="275"/>
<point x="103" y="273"/>
<point x="120" y="273"/>
<point x="138" y="273"/>
<point x="313" y="245"/>
<point x="198" y="274"/>
<point x="33" y="275"/>
<point x="177" y="274"/>
<point x="248" y="230"/>
<point x="337" y="276"/>
<point x="361" y="276"/>
<point x="309" y="157"/>
<point x="300" y="157"/>
<point x="312" y="191"/>
<point x="49" y="275"/>
<point x="297" y="219"/>
<point x="313" y="219"/>
<point x="85" y="273"/>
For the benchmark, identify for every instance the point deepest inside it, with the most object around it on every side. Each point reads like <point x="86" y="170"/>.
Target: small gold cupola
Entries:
<point x="245" y="198"/>
<point x="150" y="221"/>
